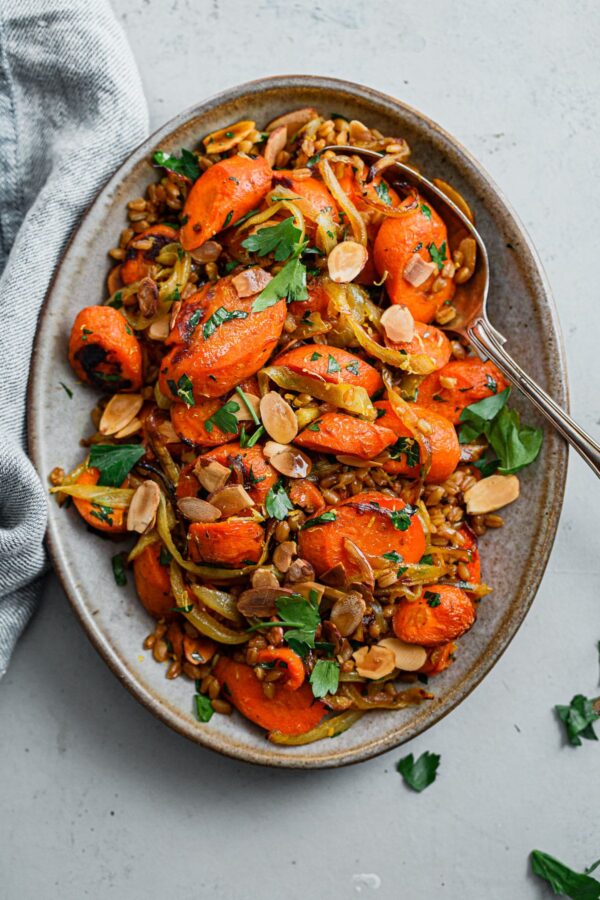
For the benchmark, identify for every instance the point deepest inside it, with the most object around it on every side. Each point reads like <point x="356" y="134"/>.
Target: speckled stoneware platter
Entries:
<point x="520" y="306"/>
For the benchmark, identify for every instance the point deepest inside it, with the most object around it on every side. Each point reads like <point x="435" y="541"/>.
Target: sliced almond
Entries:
<point x="374" y="662"/>
<point x="167" y="432"/>
<point x="211" y="474"/>
<point x="346" y="261"/>
<point x="300" y="570"/>
<point x="336" y="576"/>
<point x="197" y="510"/>
<point x="292" y="463"/>
<point x="417" y="270"/>
<point x="141" y="514"/>
<point x="227" y="138"/>
<point x="207" y="252"/>
<point x="231" y="499"/>
<point x="133" y="427"/>
<point x="448" y="382"/>
<point x="251" y="281"/>
<point x="174" y="313"/>
<point x="147" y="295"/>
<point x="366" y="575"/>
<point x="261" y="601"/>
<point x="491" y="493"/>
<point x="272" y="448"/>
<point x="278" y="417"/>
<point x="284" y="554"/>
<point x="264" y="578"/>
<point x="310" y="590"/>
<point x="275" y="144"/>
<point x="243" y="414"/>
<point x="294" y="120"/>
<point x="408" y="657"/>
<point x="347" y="613"/>
<point x="120" y="410"/>
<point x="159" y="328"/>
<point x="398" y="324"/>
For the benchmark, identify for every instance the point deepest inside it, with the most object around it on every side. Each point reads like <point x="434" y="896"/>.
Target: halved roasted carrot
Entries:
<point x="341" y="434"/>
<point x="138" y="263"/>
<point x="104" y="351"/>
<point x="439" y="659"/>
<point x="190" y="422"/>
<point x="312" y="191"/>
<point x="442" y="438"/>
<point x="290" y="712"/>
<point x="428" y="340"/>
<point x="103" y="518"/>
<point x="249" y="467"/>
<point x="331" y="364"/>
<point x="306" y="495"/>
<point x="441" y="614"/>
<point x="152" y="582"/>
<point x="318" y="300"/>
<point x="420" y="231"/>
<point x="374" y="522"/>
<point x="231" y="542"/>
<point x="465" y="381"/>
<point x="219" y="341"/>
<point x="222" y="195"/>
<point x="290" y="662"/>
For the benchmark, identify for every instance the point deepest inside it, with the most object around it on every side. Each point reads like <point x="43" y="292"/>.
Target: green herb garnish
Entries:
<point x="290" y="284"/>
<point x="401" y="517"/>
<point x="333" y="365"/>
<point x="219" y="317"/>
<point x="118" y="567"/>
<point x="383" y="192"/>
<point x="426" y="211"/>
<point x="407" y="446"/>
<point x="67" y="390"/>
<point x="114" y="461"/>
<point x="319" y="520"/>
<point x="224" y="418"/>
<point x="184" y="389"/>
<point x="562" y="879"/>
<point x="186" y="164"/>
<point x="282" y="240"/>
<point x="325" y="677"/>
<point x="420" y="774"/>
<point x="352" y="367"/>
<point x="438" y="256"/>
<point x="578" y="718"/>
<point x="515" y="446"/>
<point x="277" y="503"/>
<point x="204" y="708"/>
<point x="433" y="599"/>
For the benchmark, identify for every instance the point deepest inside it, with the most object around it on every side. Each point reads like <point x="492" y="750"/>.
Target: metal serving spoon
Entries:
<point x="470" y="301"/>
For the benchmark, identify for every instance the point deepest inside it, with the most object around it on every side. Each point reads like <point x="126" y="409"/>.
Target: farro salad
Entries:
<point x="306" y="459"/>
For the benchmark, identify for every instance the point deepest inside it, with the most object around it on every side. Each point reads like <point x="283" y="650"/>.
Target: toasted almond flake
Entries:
<point x="251" y="281"/>
<point x="271" y="448"/>
<point x="120" y="410"/>
<point x="197" y="510"/>
<point x="167" y="432"/>
<point x="264" y="578"/>
<point x="365" y="575"/>
<point x="130" y="429"/>
<point x="294" y="120"/>
<point x="231" y="499"/>
<point x="226" y="138"/>
<point x="141" y="514"/>
<point x="374" y="662"/>
<point x="207" y="252"/>
<point x="398" y="323"/>
<point x="347" y="613"/>
<point x="278" y="418"/>
<point x="243" y="414"/>
<point x="336" y="576"/>
<point x="358" y="131"/>
<point x="491" y="493"/>
<point x="159" y="328"/>
<point x="448" y="382"/>
<point x="284" y="554"/>
<point x="408" y="657"/>
<point x="346" y="261"/>
<point x="211" y="474"/>
<point x="292" y="463"/>
<point x="300" y="570"/>
<point x="261" y="601"/>
<point x="417" y="270"/>
<point x="147" y="295"/>
<point x="275" y="144"/>
<point x="174" y="313"/>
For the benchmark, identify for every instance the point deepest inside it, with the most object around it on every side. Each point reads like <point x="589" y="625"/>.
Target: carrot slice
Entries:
<point x="102" y="518"/>
<point x="318" y="300"/>
<point x="306" y="495"/>
<point x="366" y="521"/>
<point x="445" y="449"/>
<point x="331" y="364"/>
<point x="233" y="542"/>
<point x="290" y="662"/>
<point x="474" y="380"/>
<point x="441" y="614"/>
<point x="290" y="712"/>
<point x="397" y="241"/>
<point x="429" y="340"/>
<point x="474" y="562"/>
<point x="103" y="351"/>
<point x="339" y="433"/>
<point x="438" y="659"/>
<point x="221" y="196"/>
<point x="250" y="468"/>
<point x="152" y="582"/>
<point x="138" y="263"/>
<point x="218" y="341"/>
<point x="190" y="422"/>
<point x="313" y="191"/>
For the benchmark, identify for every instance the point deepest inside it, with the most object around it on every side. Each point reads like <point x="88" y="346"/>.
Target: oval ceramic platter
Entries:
<point x="521" y="307"/>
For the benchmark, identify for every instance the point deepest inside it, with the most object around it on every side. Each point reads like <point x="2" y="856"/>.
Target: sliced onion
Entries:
<point x="354" y="218"/>
<point x="144" y="541"/>
<point x="327" y="729"/>
<point x="199" y="618"/>
<point x="350" y="397"/>
<point x="117" y="498"/>
<point x="410" y="697"/>
<point x="409" y="418"/>
<point x="218" y="601"/>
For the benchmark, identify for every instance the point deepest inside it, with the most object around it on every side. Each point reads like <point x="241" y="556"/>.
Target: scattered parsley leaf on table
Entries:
<point x="114" y="461"/>
<point x="278" y="504"/>
<point x="325" y="678"/>
<point x="420" y="774"/>
<point x="578" y="718"/>
<point x="186" y="165"/>
<point x="562" y="879"/>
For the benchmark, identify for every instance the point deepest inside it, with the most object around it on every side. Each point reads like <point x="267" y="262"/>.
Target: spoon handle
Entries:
<point x="483" y="338"/>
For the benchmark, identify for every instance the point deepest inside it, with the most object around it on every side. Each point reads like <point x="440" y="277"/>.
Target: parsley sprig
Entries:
<point x="114" y="461"/>
<point x="325" y="678"/>
<point x="186" y="164"/>
<point x="284" y="241"/>
<point x="562" y="879"/>
<point x="224" y="418"/>
<point x="277" y="502"/>
<point x="300" y="618"/>
<point x="514" y="445"/>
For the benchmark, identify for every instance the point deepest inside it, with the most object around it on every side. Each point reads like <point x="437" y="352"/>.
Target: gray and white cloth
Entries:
<point x="71" y="109"/>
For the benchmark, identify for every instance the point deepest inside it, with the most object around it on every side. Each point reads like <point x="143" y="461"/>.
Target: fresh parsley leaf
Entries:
<point x="333" y="365"/>
<point x="301" y="617"/>
<point x="433" y="599"/>
<point x="426" y="560"/>
<point x="353" y="368"/>
<point x="578" y="718"/>
<point x="219" y="317"/>
<point x="228" y="218"/>
<point x="515" y="446"/>
<point x="314" y="426"/>
<point x="426" y="211"/>
<point x="67" y="390"/>
<point x="184" y="389"/>
<point x="116" y="301"/>
<point x="164" y="557"/>
<point x="118" y="567"/>
<point x="407" y="446"/>
<point x="438" y="256"/>
<point x="290" y="283"/>
<point x="383" y="192"/>
<point x="230" y="266"/>
<point x="325" y="678"/>
<point x="204" y="708"/>
<point x="319" y="520"/>
<point x="401" y="517"/>
<point x="315" y="356"/>
<point x="277" y="503"/>
<point x="487" y="466"/>
<point x="562" y="879"/>
<point x="282" y="240"/>
<point x="102" y="513"/>
<point x="491" y="383"/>
<point x="420" y="774"/>
<point x="313" y="160"/>
<point x="114" y="461"/>
<point x="248" y="405"/>
<point x="194" y="318"/>
<point x="186" y="164"/>
<point x="224" y="418"/>
<point x="393" y="556"/>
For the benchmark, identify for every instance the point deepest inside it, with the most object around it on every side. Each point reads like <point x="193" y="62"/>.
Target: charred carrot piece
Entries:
<point x="342" y="434"/>
<point x="313" y="191"/>
<point x="233" y="542"/>
<point x="249" y="468"/>
<point x="290" y="662"/>
<point x="441" y="614"/>
<point x="442" y="438"/>
<point x="471" y="380"/>
<point x="103" y="351"/>
<point x="318" y="301"/>
<point x="331" y="364"/>
<point x="102" y="518"/>
<point x="152" y="582"/>
<point x="306" y="495"/>
<point x="428" y="340"/>
<point x="138" y="263"/>
<point x="190" y="423"/>
<point x="439" y="659"/>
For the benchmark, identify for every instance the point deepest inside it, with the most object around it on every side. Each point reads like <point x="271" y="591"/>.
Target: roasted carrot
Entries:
<point x="318" y="300"/>
<point x="438" y="659"/>
<point x="342" y="434"/>
<point x="285" y="659"/>
<point x="104" y="351"/>
<point x="420" y="231"/>
<point x="473" y="564"/>
<point x="102" y="518"/>
<point x="312" y="191"/>
<point x="290" y="712"/>
<point x="306" y="495"/>
<point x="331" y="364"/>
<point x="441" y="614"/>
<point x="152" y="582"/>
<point x="249" y="467"/>
<point x="198" y="651"/>
<point x="442" y="438"/>
<point x="367" y="520"/>
<point x="222" y="195"/>
<point x="218" y="341"/>
<point x="232" y="542"/>
<point x="138" y="263"/>
<point x="428" y="340"/>
<point x="470" y="379"/>
<point x="190" y="422"/>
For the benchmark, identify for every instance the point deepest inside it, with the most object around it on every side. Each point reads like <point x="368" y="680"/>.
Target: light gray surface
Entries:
<point x="98" y="799"/>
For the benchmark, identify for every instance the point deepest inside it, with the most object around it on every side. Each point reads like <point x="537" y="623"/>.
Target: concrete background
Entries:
<point x="98" y="799"/>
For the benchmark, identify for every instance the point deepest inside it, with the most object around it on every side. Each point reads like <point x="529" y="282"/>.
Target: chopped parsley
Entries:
<point x="421" y="773"/>
<point x="426" y="211"/>
<point x="164" y="556"/>
<point x="401" y="517"/>
<point x="383" y="192"/>
<point x="67" y="390"/>
<point x="277" y="503"/>
<point x="204" y="708"/>
<point x="118" y="567"/>
<point x="218" y="318"/>
<point x="103" y="513"/>
<point x="194" y="318"/>
<point x="315" y="356"/>
<point x="186" y="164"/>
<point x="438" y="256"/>
<point x="333" y="365"/>
<point x="325" y="678"/>
<point x="319" y="520"/>
<point x="224" y="418"/>
<point x="228" y="218"/>
<point x="353" y="368"/>
<point x="408" y="447"/>
<point x="433" y="599"/>
<point x="184" y="389"/>
<point x="491" y="383"/>
<point x="114" y="462"/>
<point x="314" y="426"/>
